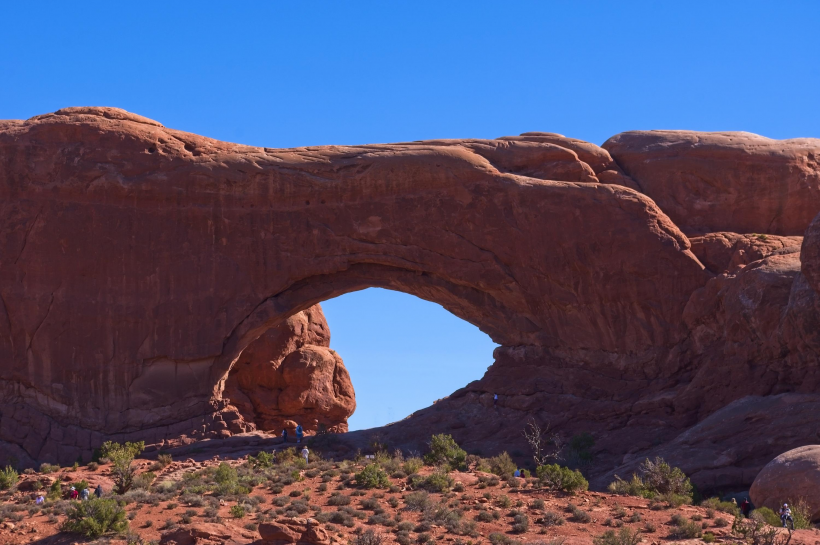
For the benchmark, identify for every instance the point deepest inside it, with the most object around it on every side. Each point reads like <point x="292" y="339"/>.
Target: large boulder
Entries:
<point x="791" y="476"/>
<point x="291" y="374"/>
<point x="725" y="181"/>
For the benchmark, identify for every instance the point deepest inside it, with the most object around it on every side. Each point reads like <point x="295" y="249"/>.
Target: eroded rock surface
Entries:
<point x="792" y="476"/>
<point x="291" y="374"/>
<point x="725" y="181"/>
<point x="143" y="269"/>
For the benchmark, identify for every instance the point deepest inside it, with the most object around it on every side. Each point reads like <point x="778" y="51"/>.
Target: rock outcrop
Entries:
<point x="143" y="268"/>
<point x="725" y="181"/>
<point x="291" y="374"/>
<point x="792" y="476"/>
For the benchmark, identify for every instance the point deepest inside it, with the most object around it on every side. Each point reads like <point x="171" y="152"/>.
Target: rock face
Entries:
<point x="291" y="374"/>
<point x="143" y="270"/>
<point x="791" y="476"/>
<point x="725" y="181"/>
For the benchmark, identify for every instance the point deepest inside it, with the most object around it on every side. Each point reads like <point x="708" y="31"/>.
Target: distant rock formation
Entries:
<point x="792" y="476"/>
<point x="139" y="262"/>
<point x="291" y="374"/>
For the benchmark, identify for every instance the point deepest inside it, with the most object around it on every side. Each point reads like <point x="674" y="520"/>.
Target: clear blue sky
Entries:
<point x="282" y="74"/>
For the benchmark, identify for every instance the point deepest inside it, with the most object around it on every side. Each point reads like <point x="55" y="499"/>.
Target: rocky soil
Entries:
<point x="184" y="506"/>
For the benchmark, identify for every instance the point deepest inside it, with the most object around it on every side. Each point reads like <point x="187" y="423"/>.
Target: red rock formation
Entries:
<point x="792" y="476"/>
<point x="725" y="181"/>
<point x="290" y="373"/>
<point x="139" y="262"/>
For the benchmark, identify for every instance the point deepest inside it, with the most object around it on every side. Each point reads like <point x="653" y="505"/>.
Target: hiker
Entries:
<point x="84" y="494"/>
<point x="40" y="499"/>
<point x="786" y="515"/>
<point x="517" y="473"/>
<point x="745" y="507"/>
<point x="305" y="454"/>
<point x="72" y="493"/>
<point x="285" y="435"/>
<point x="99" y="491"/>
<point x="495" y="400"/>
<point x="299" y="433"/>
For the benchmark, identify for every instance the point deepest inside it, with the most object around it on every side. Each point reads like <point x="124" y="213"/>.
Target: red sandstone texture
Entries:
<point x="138" y="263"/>
<point x="289" y="375"/>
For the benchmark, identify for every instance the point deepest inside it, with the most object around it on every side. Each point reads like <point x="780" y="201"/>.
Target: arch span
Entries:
<point x="140" y="260"/>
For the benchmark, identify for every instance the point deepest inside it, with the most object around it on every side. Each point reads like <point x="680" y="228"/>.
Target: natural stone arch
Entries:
<point x="147" y="258"/>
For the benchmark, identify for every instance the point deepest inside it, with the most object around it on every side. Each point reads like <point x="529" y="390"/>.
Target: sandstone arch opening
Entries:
<point x="398" y="352"/>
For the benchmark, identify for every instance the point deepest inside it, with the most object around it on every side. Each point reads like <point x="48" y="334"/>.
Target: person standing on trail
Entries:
<point x="305" y="454"/>
<point x="786" y="515"/>
<point x="84" y="494"/>
<point x="285" y="435"/>
<point x="299" y="433"/>
<point x="99" y="491"/>
<point x="72" y="493"/>
<point x="745" y="507"/>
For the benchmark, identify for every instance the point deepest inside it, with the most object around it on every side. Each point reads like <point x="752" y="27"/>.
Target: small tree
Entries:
<point x="545" y="445"/>
<point x="372" y="476"/>
<point x="445" y="451"/>
<point x="122" y="458"/>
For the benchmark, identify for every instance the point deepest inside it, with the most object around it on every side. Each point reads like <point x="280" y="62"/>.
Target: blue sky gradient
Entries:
<point x="285" y="74"/>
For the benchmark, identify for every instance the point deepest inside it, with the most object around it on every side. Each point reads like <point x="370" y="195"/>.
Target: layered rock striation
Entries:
<point x="143" y="269"/>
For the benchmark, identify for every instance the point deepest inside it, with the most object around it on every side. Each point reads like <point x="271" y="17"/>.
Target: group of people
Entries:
<point x="785" y="512"/>
<point x="83" y="494"/>
<point x="300" y="433"/>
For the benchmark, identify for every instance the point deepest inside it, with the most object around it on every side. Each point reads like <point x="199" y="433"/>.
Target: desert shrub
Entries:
<point x="551" y="518"/>
<point x="484" y="516"/>
<point x="764" y="514"/>
<point x="656" y="478"/>
<point x="225" y="474"/>
<point x="95" y="517"/>
<point x="262" y="460"/>
<point x="417" y="501"/>
<point x="501" y="539"/>
<point x="722" y="523"/>
<point x="755" y="532"/>
<point x="727" y="507"/>
<point x="502" y="465"/>
<point x="683" y="528"/>
<point x="521" y="523"/>
<point x="368" y="537"/>
<point x="164" y="460"/>
<point x="8" y="478"/>
<point x="708" y="537"/>
<point x="801" y="514"/>
<point x="561" y="478"/>
<point x="238" y="511"/>
<point x="445" y="451"/>
<point x="338" y="499"/>
<point x="372" y="476"/>
<point x="122" y="458"/>
<point x="295" y="493"/>
<point x="438" y="481"/>
<point x="48" y="468"/>
<point x="578" y="514"/>
<point x="144" y="480"/>
<point x="624" y="536"/>
<point x="503" y="501"/>
<point x="537" y="504"/>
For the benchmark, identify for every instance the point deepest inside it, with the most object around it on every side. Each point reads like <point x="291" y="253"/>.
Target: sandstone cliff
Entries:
<point x="138" y="263"/>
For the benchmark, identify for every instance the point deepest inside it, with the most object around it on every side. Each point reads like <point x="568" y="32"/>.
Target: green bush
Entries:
<point x="225" y="474"/>
<point x="728" y="507"/>
<point x="48" y="468"/>
<point x="445" y="451"/>
<point x="656" y="479"/>
<point x="801" y="514"/>
<point x="8" y="478"/>
<point x="438" y="481"/>
<point x="502" y="465"/>
<point x="764" y="514"/>
<point x="684" y="528"/>
<point x="262" y="460"/>
<point x="238" y="511"/>
<point x="372" y="476"/>
<point x="625" y="536"/>
<point x="96" y="517"/>
<point x="561" y="478"/>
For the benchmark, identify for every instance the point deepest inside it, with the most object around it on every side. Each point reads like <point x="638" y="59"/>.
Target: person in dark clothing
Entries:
<point x="99" y="491"/>
<point x="285" y="435"/>
<point x="745" y="507"/>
